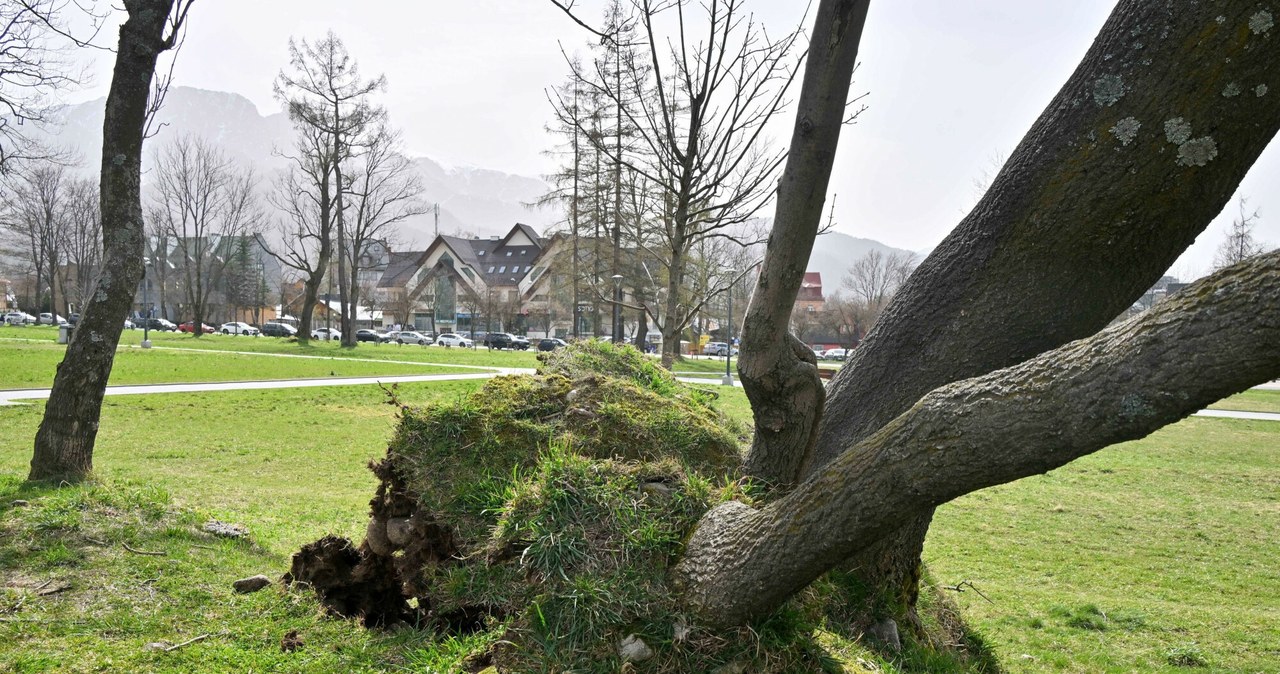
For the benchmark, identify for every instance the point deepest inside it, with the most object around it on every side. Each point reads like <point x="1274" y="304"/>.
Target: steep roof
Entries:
<point x="400" y="268"/>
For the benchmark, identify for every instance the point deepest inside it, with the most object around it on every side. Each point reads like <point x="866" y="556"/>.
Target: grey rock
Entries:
<point x="226" y="530"/>
<point x="251" y="584"/>
<point x="656" y="489"/>
<point x="572" y="395"/>
<point x="885" y="632"/>
<point x="634" y="649"/>
<point x="376" y="536"/>
<point x="734" y="667"/>
<point x="398" y="531"/>
<point x="157" y="646"/>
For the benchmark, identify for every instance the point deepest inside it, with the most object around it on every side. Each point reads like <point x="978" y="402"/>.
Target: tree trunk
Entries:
<point x="1219" y="337"/>
<point x="779" y="373"/>
<point x="64" y="442"/>
<point x="1110" y="179"/>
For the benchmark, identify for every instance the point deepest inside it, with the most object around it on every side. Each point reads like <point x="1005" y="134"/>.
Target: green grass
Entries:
<point x="1143" y="557"/>
<point x="33" y="364"/>
<point x="1251" y="401"/>
<point x="1154" y="556"/>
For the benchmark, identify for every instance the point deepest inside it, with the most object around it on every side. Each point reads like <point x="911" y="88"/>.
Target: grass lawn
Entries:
<point x="1251" y="401"/>
<point x="1146" y="557"/>
<point x="32" y="365"/>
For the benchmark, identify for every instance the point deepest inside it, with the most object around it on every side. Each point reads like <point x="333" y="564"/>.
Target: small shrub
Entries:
<point x="1186" y="655"/>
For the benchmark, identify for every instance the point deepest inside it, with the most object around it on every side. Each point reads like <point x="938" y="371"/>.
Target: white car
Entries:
<point x="835" y="354"/>
<point x="237" y="328"/>
<point x="411" y="337"/>
<point x="450" y="339"/>
<point x="50" y="319"/>
<point x="326" y="334"/>
<point x="19" y="318"/>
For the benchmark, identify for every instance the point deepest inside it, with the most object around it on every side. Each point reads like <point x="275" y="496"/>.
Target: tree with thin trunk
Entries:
<point x="207" y="206"/>
<point x="971" y="377"/>
<point x="303" y="195"/>
<point x="873" y="279"/>
<point x="83" y="241"/>
<point x="384" y="192"/>
<point x="1239" y="244"/>
<point x="64" y="442"/>
<point x="36" y="212"/>
<point x="324" y="90"/>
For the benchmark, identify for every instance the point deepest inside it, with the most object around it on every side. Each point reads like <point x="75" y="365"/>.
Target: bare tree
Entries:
<point x="325" y="91"/>
<point x="701" y="107"/>
<point x="64" y="442"/>
<point x="36" y="213"/>
<point x="873" y="279"/>
<point x="82" y="242"/>
<point x="383" y="193"/>
<point x="1239" y="244"/>
<point x="35" y="66"/>
<point x="304" y="195"/>
<point x="207" y="205"/>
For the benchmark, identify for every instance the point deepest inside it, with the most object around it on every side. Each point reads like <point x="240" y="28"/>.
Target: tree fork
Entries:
<point x="64" y="442"/>
<point x="1116" y="177"/>
<point x="1218" y="337"/>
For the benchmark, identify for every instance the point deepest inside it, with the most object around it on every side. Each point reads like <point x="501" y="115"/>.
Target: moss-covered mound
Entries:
<point x="540" y="515"/>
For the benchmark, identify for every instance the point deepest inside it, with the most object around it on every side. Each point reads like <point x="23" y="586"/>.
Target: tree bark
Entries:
<point x="64" y="442"/>
<point x="1128" y="164"/>
<point x="1216" y="338"/>
<point x="779" y="373"/>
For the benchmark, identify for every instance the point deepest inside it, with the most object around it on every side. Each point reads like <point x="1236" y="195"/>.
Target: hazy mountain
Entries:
<point x="834" y="253"/>
<point x="476" y="200"/>
<point x="479" y="201"/>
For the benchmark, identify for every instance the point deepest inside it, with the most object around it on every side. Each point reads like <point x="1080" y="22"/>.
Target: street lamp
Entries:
<point x="146" y="301"/>
<point x="728" y="351"/>
<point x="617" y="308"/>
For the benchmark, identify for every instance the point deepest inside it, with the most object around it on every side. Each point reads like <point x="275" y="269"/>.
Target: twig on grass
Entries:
<point x="97" y="542"/>
<point x="141" y="552"/>
<point x="170" y="649"/>
<point x="959" y="587"/>
<point x="43" y="585"/>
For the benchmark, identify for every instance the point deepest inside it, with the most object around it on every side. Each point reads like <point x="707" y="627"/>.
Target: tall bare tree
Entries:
<point x="384" y="192"/>
<point x="206" y="205"/>
<point x="873" y="279"/>
<point x="324" y="90"/>
<point x="304" y="194"/>
<point x="37" y="214"/>
<point x="64" y="442"/>
<point x="82" y="241"/>
<point x="1239" y="244"/>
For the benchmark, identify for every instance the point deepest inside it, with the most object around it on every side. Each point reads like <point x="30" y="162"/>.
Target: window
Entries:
<point x="490" y="269"/>
<point x="502" y="269"/>
<point x="508" y="253"/>
<point x="526" y="269"/>
<point x="480" y="253"/>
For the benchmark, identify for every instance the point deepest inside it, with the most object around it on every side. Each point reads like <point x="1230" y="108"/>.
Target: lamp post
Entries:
<point x="728" y="350"/>
<point x="146" y="301"/>
<point x="617" y="308"/>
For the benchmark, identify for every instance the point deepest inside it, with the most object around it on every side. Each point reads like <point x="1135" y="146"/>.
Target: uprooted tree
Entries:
<point x="971" y="378"/>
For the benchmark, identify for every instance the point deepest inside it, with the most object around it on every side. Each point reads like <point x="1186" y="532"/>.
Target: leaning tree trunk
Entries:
<point x="1219" y="337"/>
<point x="779" y="373"/>
<point x="1132" y="159"/>
<point x="64" y="442"/>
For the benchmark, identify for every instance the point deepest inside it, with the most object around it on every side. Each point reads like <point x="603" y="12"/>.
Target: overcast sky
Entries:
<point x="952" y="85"/>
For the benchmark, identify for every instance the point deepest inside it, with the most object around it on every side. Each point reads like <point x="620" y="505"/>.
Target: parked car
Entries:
<point x="451" y="339"/>
<point x="551" y="344"/>
<point x="189" y="326"/>
<point x="716" y="349"/>
<point x="279" y="330"/>
<point x="504" y="340"/>
<point x="411" y="337"/>
<point x="73" y="319"/>
<point x="326" y="334"/>
<point x="156" y="324"/>
<point x="238" y="328"/>
<point x="50" y="319"/>
<point x="521" y="342"/>
<point x="19" y="318"/>
<point x="367" y="335"/>
<point x="128" y="324"/>
<point x="835" y="354"/>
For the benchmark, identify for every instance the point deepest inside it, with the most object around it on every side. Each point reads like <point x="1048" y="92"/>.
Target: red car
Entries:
<point x="189" y="327"/>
